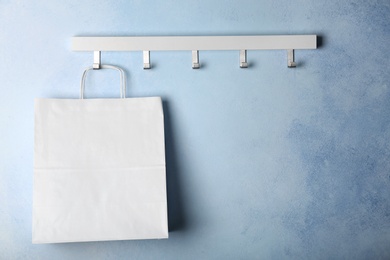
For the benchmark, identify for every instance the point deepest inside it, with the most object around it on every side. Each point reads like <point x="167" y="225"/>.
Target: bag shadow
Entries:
<point x="176" y="215"/>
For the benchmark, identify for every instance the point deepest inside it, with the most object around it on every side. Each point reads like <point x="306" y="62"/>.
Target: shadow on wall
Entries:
<point x="176" y="216"/>
<point x="320" y="41"/>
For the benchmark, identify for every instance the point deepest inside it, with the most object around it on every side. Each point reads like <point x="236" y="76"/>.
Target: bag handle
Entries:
<point x="122" y="75"/>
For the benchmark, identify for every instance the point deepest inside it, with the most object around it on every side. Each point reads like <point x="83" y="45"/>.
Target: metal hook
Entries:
<point x="146" y="60"/>
<point x="243" y="62"/>
<point x="290" y="59"/>
<point x="195" y="60"/>
<point x="96" y="60"/>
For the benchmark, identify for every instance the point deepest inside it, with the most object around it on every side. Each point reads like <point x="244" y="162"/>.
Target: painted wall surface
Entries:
<point x="262" y="163"/>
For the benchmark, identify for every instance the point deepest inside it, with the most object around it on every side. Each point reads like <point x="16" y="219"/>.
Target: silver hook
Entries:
<point x="290" y="59"/>
<point x="96" y="60"/>
<point x="195" y="60"/>
<point x="146" y="60"/>
<point x="243" y="62"/>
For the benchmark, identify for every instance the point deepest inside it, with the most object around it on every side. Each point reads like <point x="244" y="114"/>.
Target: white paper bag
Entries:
<point x="99" y="170"/>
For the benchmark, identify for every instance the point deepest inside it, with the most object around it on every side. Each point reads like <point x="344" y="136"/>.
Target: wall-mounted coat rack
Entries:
<point x="195" y="44"/>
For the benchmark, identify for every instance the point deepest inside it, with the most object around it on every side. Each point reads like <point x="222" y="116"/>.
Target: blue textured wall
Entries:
<point x="262" y="163"/>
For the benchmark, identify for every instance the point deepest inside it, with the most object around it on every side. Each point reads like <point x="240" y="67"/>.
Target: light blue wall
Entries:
<point x="262" y="163"/>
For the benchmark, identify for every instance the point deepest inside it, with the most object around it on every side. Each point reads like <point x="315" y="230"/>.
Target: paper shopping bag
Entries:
<point x="99" y="170"/>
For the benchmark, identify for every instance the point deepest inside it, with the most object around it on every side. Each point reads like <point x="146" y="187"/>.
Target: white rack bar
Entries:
<point x="189" y="43"/>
